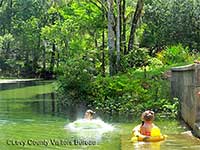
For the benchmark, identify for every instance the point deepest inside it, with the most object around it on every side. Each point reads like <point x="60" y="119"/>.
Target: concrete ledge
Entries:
<point x="185" y="84"/>
<point x="183" y="68"/>
<point x="16" y="80"/>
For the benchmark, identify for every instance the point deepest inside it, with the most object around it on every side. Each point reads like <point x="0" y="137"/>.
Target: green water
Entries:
<point x="32" y="118"/>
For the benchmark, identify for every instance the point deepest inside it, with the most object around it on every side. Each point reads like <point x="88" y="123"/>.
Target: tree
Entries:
<point x="103" y="40"/>
<point x="111" y="37"/>
<point x="118" y="36"/>
<point x="171" y="22"/>
<point x="135" y="20"/>
<point x="124" y="26"/>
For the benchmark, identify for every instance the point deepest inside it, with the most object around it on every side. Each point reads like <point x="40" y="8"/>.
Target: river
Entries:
<point x="32" y="118"/>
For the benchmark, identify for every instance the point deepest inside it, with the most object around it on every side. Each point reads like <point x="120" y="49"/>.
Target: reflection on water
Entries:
<point x="30" y="110"/>
<point x="147" y="146"/>
<point x="127" y="144"/>
<point x="2" y="122"/>
<point x="180" y="141"/>
<point x="30" y="97"/>
<point x="24" y="98"/>
<point x="172" y="142"/>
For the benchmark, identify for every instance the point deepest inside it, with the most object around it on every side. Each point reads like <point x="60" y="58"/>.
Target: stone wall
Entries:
<point x="185" y="85"/>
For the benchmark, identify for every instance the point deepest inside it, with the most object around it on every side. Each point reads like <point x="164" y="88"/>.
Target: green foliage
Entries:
<point x="171" y="22"/>
<point x="128" y="93"/>
<point x="36" y="35"/>
<point x="112" y="94"/>
<point x="174" y="54"/>
<point x="138" y="57"/>
<point x="72" y="26"/>
<point x="171" y="107"/>
<point x="74" y="86"/>
<point x="30" y="28"/>
<point x="155" y="62"/>
<point x="131" y="93"/>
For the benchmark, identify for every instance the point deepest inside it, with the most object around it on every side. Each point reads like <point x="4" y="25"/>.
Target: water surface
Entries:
<point x="31" y="117"/>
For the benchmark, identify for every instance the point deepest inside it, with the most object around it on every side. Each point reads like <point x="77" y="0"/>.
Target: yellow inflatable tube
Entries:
<point x="148" y="138"/>
<point x="156" y="136"/>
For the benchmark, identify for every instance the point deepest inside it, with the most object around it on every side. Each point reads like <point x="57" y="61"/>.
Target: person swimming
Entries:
<point x="147" y="124"/>
<point x="89" y="114"/>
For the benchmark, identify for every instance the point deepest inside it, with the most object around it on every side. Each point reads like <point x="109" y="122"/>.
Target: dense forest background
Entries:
<point x="113" y="55"/>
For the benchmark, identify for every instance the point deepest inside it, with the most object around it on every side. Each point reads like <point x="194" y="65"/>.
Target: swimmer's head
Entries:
<point x="89" y="114"/>
<point x="148" y="115"/>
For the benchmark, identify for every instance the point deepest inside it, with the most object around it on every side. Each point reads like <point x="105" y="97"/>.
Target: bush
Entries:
<point x="174" y="54"/>
<point x="74" y="86"/>
<point x="131" y="93"/>
<point x="155" y="63"/>
<point x="127" y="94"/>
<point x="138" y="57"/>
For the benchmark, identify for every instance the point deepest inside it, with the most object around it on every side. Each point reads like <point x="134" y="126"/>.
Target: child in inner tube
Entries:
<point x="147" y="124"/>
<point x="89" y="114"/>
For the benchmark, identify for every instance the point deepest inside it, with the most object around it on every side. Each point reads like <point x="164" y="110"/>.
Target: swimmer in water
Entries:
<point x="89" y="114"/>
<point x="147" y="118"/>
<point x="147" y="124"/>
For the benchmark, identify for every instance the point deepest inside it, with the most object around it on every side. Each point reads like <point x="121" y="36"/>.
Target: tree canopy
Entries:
<point x="37" y="37"/>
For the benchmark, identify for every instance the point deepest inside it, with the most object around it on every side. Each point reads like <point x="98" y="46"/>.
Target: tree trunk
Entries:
<point x="58" y="60"/>
<point x="9" y="18"/>
<point x="27" y="61"/>
<point x="52" y="63"/>
<point x="124" y="26"/>
<point x="36" y="56"/>
<point x="118" y="35"/>
<point x="103" y="41"/>
<point x="103" y="54"/>
<point x="53" y="53"/>
<point x="44" y="56"/>
<point x="136" y="17"/>
<point x="111" y="37"/>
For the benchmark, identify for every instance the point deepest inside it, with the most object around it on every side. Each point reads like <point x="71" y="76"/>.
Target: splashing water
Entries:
<point x="96" y="125"/>
<point x="89" y="128"/>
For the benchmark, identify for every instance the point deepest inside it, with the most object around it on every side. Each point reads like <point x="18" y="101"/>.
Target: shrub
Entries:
<point x="128" y="94"/>
<point x="74" y="86"/>
<point x="174" y="54"/>
<point x="136" y="58"/>
<point x="131" y="93"/>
